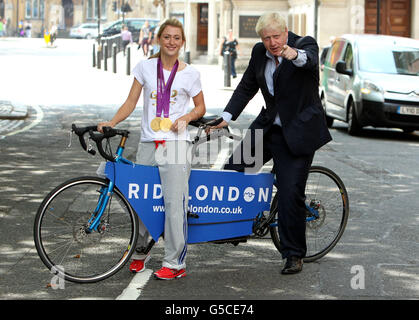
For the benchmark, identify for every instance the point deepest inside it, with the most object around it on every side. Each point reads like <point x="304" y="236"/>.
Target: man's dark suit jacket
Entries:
<point x="296" y="97"/>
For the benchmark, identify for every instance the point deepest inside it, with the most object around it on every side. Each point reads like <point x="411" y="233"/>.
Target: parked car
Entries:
<point x="84" y="31"/>
<point x="134" y="25"/>
<point x="372" y="80"/>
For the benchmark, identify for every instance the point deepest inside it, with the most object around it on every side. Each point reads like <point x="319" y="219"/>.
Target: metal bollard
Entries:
<point x="188" y="57"/>
<point x="99" y="56"/>
<point x="227" y="69"/>
<point x="94" y="56"/>
<point x="105" y="56"/>
<point x="128" y="61"/>
<point x="114" y="57"/>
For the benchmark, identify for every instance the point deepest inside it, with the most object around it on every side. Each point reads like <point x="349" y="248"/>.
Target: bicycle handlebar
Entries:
<point x="81" y="131"/>
<point x="108" y="132"/>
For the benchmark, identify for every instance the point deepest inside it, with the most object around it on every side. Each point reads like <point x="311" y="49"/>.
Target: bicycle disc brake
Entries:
<point x="316" y="214"/>
<point x="261" y="225"/>
<point x="81" y="235"/>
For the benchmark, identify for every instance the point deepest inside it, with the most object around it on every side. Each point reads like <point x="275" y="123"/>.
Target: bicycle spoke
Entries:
<point x="63" y="237"/>
<point x="328" y="209"/>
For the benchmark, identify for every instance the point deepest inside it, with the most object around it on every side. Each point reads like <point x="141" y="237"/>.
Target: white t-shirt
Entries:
<point x="186" y="85"/>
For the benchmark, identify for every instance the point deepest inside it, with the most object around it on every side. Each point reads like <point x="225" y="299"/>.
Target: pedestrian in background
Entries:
<point x="292" y="126"/>
<point x="28" y="29"/>
<point x="6" y="23"/>
<point x="126" y="37"/>
<point x="53" y="33"/>
<point x="154" y="42"/>
<point x="164" y="131"/>
<point x="231" y="45"/>
<point x="20" y="29"/>
<point x="145" y="36"/>
<point x="1" y="27"/>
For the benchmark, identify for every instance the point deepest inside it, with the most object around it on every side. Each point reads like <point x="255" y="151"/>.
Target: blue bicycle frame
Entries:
<point x="105" y="195"/>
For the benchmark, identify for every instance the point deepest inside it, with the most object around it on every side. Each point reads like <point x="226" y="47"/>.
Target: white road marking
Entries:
<point x="135" y="287"/>
<point x="224" y="153"/>
<point x="10" y="125"/>
<point x="39" y="117"/>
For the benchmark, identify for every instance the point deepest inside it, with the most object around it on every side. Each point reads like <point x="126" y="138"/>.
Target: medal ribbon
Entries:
<point x="163" y="90"/>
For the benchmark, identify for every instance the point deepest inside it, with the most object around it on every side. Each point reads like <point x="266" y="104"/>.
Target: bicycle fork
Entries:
<point x="104" y="198"/>
<point x="106" y="193"/>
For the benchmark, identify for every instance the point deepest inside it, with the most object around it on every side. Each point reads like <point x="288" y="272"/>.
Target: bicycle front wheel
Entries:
<point x="327" y="212"/>
<point x="64" y="242"/>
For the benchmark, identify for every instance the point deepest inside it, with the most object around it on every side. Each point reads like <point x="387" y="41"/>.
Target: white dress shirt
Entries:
<point x="269" y="71"/>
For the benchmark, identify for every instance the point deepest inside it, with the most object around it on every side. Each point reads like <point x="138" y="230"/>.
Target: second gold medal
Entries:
<point x="165" y="124"/>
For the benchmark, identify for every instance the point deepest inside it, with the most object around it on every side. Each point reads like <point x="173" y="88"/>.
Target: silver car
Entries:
<point x="372" y="80"/>
<point x="84" y="31"/>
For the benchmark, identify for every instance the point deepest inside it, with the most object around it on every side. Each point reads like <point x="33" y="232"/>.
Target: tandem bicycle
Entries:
<point x="86" y="228"/>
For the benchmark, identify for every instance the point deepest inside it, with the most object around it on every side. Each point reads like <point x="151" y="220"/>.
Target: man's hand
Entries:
<point x="288" y="53"/>
<point x="219" y="126"/>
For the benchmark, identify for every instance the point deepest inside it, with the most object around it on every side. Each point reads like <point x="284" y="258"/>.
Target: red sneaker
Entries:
<point x="138" y="265"/>
<point x="169" y="274"/>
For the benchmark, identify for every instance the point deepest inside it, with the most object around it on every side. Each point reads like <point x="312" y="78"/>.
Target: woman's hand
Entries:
<point x="104" y="124"/>
<point x="181" y="124"/>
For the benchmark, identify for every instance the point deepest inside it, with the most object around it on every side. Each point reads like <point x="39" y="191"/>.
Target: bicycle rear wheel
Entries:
<point x="63" y="242"/>
<point x="327" y="212"/>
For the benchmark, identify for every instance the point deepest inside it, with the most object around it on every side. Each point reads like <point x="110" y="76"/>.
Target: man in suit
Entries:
<point x="292" y="126"/>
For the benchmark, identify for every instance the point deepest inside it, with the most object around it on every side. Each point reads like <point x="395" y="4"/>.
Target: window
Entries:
<point x="91" y="9"/>
<point x="389" y="59"/>
<point x="335" y="53"/>
<point x="136" y="24"/>
<point x="303" y="30"/>
<point x="296" y="23"/>
<point x="34" y="9"/>
<point x="349" y="57"/>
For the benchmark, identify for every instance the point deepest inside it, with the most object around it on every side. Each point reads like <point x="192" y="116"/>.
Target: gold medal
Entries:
<point x="165" y="124"/>
<point x="155" y="124"/>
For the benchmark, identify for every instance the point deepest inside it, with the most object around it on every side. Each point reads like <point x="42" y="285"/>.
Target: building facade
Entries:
<point x="68" y="13"/>
<point x="207" y="21"/>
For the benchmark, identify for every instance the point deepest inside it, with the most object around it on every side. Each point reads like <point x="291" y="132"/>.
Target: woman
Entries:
<point x="145" y="36"/>
<point x="164" y="136"/>
<point x="232" y="45"/>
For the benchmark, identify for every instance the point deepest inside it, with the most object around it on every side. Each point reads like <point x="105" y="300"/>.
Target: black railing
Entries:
<point x="109" y="47"/>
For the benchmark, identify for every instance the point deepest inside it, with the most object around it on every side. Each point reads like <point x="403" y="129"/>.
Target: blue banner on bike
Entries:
<point x="223" y="204"/>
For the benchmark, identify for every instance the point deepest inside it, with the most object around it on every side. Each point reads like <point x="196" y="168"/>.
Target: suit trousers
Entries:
<point x="291" y="174"/>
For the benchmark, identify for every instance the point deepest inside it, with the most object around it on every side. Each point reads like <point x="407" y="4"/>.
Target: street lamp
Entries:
<point x="98" y="20"/>
<point x="316" y="16"/>
<point x="17" y="17"/>
<point x="378" y="17"/>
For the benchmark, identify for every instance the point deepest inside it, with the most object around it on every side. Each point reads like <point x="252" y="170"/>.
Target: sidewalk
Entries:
<point x="10" y="112"/>
<point x="84" y="84"/>
<point x="216" y="94"/>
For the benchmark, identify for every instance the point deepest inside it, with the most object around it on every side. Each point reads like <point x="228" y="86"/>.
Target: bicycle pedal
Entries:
<point x="192" y="215"/>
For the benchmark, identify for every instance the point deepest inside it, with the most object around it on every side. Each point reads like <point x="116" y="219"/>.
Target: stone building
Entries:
<point x="206" y="21"/>
<point x="68" y="13"/>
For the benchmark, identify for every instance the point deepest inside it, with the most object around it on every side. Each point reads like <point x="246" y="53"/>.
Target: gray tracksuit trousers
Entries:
<point x="174" y="168"/>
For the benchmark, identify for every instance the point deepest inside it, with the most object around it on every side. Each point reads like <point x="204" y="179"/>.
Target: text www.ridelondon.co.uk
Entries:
<point x="207" y="209"/>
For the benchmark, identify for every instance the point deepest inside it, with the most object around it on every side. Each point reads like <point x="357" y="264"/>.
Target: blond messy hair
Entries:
<point x="270" y="20"/>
